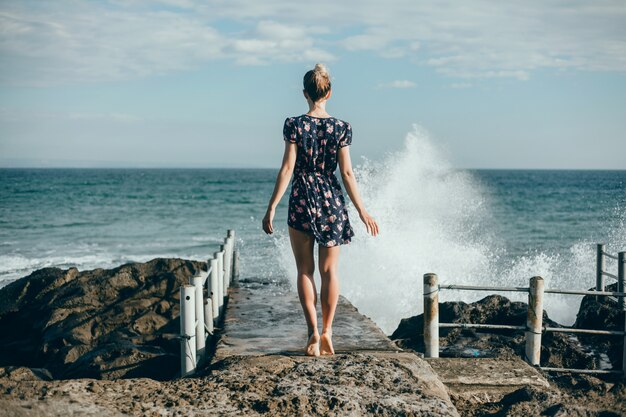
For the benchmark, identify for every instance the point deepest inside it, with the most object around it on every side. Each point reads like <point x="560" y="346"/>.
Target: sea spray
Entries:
<point x="435" y="218"/>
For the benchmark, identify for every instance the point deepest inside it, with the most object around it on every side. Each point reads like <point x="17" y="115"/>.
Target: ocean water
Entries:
<point x="494" y="227"/>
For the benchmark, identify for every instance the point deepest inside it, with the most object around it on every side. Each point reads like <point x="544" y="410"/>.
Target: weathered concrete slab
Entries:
<point x="486" y="379"/>
<point x="261" y="322"/>
<point x="260" y="360"/>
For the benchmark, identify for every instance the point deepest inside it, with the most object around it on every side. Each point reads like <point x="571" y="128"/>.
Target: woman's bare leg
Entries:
<point x="302" y="246"/>
<point x="328" y="261"/>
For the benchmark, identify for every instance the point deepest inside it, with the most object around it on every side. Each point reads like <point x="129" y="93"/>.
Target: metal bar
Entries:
<point x="581" y="371"/>
<point x="608" y="255"/>
<point x="534" y="318"/>
<point x="588" y="331"/>
<point x="431" y="316"/>
<point x="576" y="292"/>
<point x="608" y="274"/>
<point x="481" y="288"/>
<point x="483" y="326"/>
<point x="621" y="279"/>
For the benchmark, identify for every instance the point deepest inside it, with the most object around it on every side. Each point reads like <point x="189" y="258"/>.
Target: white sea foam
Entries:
<point x="434" y="218"/>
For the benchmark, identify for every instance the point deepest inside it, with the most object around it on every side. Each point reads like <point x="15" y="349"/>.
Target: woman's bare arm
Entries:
<point x="282" y="181"/>
<point x="345" y="167"/>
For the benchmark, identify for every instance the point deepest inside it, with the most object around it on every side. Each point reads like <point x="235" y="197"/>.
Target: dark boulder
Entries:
<point x="103" y="323"/>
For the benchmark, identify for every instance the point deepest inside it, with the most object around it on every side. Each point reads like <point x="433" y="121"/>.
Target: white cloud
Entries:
<point x="73" y="41"/>
<point x="398" y="84"/>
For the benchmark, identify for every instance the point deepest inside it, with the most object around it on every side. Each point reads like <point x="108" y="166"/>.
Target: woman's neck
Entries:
<point x="318" y="109"/>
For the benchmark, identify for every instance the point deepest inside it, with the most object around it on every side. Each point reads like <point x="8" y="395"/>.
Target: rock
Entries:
<point x="103" y="324"/>
<point x="604" y="314"/>
<point x="20" y="373"/>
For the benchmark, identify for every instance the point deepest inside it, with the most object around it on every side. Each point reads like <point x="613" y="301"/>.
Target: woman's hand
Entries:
<point x="267" y="222"/>
<point x="370" y="223"/>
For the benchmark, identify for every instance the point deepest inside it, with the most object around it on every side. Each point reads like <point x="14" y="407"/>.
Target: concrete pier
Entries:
<point x="259" y="322"/>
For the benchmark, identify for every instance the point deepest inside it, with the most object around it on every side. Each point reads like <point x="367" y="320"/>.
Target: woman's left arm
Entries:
<point x="282" y="181"/>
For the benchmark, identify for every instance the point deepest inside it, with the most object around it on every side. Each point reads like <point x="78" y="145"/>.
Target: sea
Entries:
<point x="496" y="227"/>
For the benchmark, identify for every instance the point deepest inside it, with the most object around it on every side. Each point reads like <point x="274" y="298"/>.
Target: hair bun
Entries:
<point x="321" y="69"/>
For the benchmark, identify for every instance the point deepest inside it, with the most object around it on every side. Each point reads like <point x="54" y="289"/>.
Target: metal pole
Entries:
<point x="621" y="266"/>
<point x="224" y="251"/>
<point x="220" y="279"/>
<point x="197" y="282"/>
<point x="534" y="320"/>
<point x="431" y="316"/>
<point x="236" y="265"/>
<point x="208" y="316"/>
<point x="187" y="330"/>
<point x="227" y="262"/>
<point x="621" y="258"/>
<point x="214" y="288"/>
<point x="600" y="267"/>
<point x="231" y="236"/>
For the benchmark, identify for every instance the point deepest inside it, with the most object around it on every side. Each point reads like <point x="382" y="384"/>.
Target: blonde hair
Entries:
<point x="317" y="82"/>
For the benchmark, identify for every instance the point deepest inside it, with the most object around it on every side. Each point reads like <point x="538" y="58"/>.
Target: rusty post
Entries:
<point x="534" y="320"/>
<point x="600" y="267"/>
<point x="431" y="316"/>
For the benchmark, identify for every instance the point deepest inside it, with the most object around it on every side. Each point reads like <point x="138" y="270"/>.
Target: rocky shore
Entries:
<point x="103" y="343"/>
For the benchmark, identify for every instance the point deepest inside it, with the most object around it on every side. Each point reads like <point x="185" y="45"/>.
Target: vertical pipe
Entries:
<point x="220" y="280"/>
<point x="236" y="265"/>
<point x="621" y="277"/>
<point x="621" y="258"/>
<point x="187" y="330"/>
<point x="227" y="262"/>
<point x="208" y="316"/>
<point x="198" y="283"/>
<point x="224" y="251"/>
<point x="534" y="320"/>
<point x="214" y="289"/>
<point x="600" y="267"/>
<point x="231" y="236"/>
<point x="431" y="316"/>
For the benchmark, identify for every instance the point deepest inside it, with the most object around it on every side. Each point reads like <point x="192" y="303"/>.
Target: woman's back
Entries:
<point x="318" y="140"/>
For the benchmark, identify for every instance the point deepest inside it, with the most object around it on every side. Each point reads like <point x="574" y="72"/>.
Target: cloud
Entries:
<point x="72" y="41"/>
<point x="398" y="84"/>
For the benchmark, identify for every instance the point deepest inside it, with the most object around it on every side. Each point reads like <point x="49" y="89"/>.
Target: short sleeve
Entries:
<point x="289" y="130"/>
<point x="346" y="137"/>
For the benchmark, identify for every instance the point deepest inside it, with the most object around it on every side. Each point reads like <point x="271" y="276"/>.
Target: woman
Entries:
<point x="314" y="143"/>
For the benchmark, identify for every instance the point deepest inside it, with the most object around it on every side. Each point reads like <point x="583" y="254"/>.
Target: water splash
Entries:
<point x="435" y="218"/>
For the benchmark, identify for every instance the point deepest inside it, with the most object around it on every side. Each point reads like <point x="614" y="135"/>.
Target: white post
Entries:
<point x="534" y="320"/>
<point x="198" y="281"/>
<point x="431" y="316"/>
<point x="231" y="236"/>
<point x="220" y="280"/>
<point x="214" y="289"/>
<point x="187" y="330"/>
<point x="224" y="250"/>
<point x="236" y="264"/>
<point x="208" y="316"/>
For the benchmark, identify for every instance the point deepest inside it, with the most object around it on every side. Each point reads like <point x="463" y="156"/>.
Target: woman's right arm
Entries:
<point x="282" y="181"/>
<point x="345" y="167"/>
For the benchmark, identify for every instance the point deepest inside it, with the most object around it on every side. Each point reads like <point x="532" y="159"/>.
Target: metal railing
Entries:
<point x="601" y="255"/>
<point x="199" y="315"/>
<point x="534" y="328"/>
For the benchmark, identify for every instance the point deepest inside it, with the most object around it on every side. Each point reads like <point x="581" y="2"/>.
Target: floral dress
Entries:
<point x="316" y="202"/>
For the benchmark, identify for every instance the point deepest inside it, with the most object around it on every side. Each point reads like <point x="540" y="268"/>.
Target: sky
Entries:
<point x="184" y="83"/>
